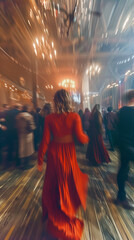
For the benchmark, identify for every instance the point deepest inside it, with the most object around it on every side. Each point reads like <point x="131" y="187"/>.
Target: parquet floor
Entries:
<point x="20" y="204"/>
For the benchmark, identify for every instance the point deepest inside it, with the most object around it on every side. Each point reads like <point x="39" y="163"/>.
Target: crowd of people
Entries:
<point x="21" y="130"/>
<point x="24" y="131"/>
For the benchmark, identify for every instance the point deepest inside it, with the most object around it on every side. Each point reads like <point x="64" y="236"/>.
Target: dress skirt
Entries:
<point x="64" y="191"/>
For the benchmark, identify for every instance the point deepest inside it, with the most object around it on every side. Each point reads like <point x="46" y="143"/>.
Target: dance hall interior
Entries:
<point x="66" y="119"/>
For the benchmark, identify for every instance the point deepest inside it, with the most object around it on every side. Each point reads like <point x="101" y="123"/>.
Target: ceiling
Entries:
<point x="60" y="39"/>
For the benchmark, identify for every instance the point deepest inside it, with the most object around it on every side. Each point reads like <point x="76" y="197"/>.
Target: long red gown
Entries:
<point x="65" y="186"/>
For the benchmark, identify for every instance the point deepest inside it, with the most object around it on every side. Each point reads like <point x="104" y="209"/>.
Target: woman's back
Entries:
<point x="96" y="123"/>
<point x="64" y="124"/>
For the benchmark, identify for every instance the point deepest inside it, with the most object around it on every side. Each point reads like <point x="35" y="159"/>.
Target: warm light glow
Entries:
<point x="29" y="23"/>
<point x="51" y="56"/>
<point x="99" y="70"/>
<point x="52" y="44"/>
<point x="93" y="69"/>
<point x="37" y="41"/>
<point x="35" y="52"/>
<point x="31" y="13"/>
<point x="43" y="56"/>
<point x="55" y="53"/>
<point x="68" y="83"/>
<point x="43" y="40"/>
<point x="37" y="17"/>
<point x="34" y="45"/>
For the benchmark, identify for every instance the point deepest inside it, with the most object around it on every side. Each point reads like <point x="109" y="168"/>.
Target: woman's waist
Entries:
<point x="64" y="139"/>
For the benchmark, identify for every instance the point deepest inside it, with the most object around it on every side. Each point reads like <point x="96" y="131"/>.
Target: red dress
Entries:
<point x="65" y="186"/>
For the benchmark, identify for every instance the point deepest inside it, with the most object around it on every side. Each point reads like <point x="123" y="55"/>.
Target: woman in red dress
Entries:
<point x="65" y="186"/>
<point x="96" y="151"/>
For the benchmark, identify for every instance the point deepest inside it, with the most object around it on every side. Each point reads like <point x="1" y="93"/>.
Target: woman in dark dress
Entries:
<point x="96" y="151"/>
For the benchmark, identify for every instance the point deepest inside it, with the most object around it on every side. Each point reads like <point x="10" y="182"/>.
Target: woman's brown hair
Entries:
<point x="62" y="101"/>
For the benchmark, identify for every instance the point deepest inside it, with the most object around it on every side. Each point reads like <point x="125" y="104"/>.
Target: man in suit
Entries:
<point x="126" y="146"/>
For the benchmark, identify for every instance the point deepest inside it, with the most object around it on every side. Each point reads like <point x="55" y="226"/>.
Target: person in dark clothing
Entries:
<point x="12" y="137"/>
<point x="96" y="151"/>
<point x="111" y="121"/>
<point x="104" y="113"/>
<point x="86" y="120"/>
<point x="81" y="114"/>
<point x="46" y="110"/>
<point x="35" y="115"/>
<point x="2" y="139"/>
<point x="126" y="146"/>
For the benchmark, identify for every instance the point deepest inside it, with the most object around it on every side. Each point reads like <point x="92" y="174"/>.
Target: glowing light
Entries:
<point x="37" y="41"/>
<point x="35" y="52"/>
<point x="37" y="17"/>
<point x="68" y="83"/>
<point x="55" y="53"/>
<point x="51" y="56"/>
<point x="52" y="44"/>
<point x="43" y="56"/>
<point x="29" y="23"/>
<point x="43" y="40"/>
<point x="127" y="73"/>
<point x="31" y="13"/>
<point x="125" y="23"/>
<point x="34" y="45"/>
<point x="96" y="67"/>
<point x="99" y="70"/>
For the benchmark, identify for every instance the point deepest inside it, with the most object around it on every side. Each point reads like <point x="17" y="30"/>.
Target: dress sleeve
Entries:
<point x="44" y="143"/>
<point x="78" y="131"/>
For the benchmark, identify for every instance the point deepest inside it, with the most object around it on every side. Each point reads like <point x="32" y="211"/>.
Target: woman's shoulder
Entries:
<point x="74" y="115"/>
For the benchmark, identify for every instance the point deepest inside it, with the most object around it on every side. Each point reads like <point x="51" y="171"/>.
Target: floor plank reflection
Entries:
<point x="20" y="204"/>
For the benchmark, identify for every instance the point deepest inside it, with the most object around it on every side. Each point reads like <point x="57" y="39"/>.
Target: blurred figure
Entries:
<point x="81" y="114"/>
<point x="65" y="186"/>
<point x="111" y="123"/>
<point x="86" y="120"/>
<point x="12" y="137"/>
<point x="96" y="151"/>
<point x="2" y="139"/>
<point x="126" y="146"/>
<point x="104" y="114"/>
<point x="36" y="117"/>
<point x="25" y="126"/>
<point x="46" y="110"/>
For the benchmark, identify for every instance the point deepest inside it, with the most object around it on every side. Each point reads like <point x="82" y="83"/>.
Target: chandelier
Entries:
<point x="68" y="84"/>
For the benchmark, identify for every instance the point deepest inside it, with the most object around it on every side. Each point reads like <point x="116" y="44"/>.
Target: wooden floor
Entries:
<point x="20" y="204"/>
